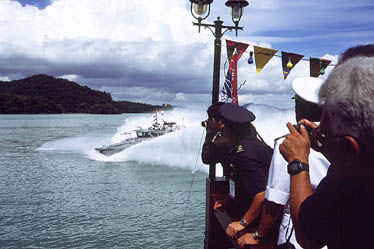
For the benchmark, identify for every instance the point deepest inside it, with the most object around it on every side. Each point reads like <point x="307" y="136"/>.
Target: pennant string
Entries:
<point x="267" y="54"/>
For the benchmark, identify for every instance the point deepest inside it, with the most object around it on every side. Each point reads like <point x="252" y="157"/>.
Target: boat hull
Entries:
<point x="110" y="150"/>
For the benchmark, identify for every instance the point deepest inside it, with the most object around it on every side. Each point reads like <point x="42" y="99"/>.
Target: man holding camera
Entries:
<point x="339" y="213"/>
<point x="278" y="185"/>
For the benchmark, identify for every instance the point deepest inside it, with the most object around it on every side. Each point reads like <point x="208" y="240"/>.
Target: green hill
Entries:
<point x="43" y="94"/>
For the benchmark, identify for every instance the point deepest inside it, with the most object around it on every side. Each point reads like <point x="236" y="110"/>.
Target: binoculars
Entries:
<point x="204" y="123"/>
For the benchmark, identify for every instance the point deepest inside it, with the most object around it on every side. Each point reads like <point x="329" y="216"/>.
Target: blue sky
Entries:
<point x="148" y="51"/>
<point x="41" y="4"/>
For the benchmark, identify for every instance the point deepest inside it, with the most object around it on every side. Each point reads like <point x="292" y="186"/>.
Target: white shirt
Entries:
<point x="278" y="186"/>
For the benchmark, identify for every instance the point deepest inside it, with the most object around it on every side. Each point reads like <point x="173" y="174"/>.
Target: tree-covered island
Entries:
<point x="43" y="94"/>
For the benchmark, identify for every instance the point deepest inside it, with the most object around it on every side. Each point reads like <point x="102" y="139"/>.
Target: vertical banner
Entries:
<point x="262" y="57"/>
<point x="289" y="60"/>
<point x="229" y="93"/>
<point x="318" y="66"/>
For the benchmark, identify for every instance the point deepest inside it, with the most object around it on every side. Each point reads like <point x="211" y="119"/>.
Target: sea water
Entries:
<point x="56" y="191"/>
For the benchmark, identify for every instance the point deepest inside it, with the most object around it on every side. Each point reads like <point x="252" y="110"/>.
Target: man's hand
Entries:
<point x="308" y="123"/>
<point x="314" y="143"/>
<point x="219" y="204"/>
<point x="296" y="145"/>
<point x="248" y="239"/>
<point x="233" y="229"/>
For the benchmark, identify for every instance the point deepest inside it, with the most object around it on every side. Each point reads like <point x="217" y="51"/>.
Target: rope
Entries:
<point x="189" y="192"/>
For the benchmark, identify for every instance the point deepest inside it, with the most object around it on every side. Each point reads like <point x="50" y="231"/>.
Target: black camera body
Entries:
<point x="308" y="129"/>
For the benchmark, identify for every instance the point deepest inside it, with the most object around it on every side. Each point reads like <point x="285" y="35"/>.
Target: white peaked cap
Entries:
<point x="307" y="88"/>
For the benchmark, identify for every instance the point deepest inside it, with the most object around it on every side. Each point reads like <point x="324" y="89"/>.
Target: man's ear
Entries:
<point x="351" y="150"/>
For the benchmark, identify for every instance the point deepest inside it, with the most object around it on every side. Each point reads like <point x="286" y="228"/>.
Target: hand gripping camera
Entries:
<point x="297" y="127"/>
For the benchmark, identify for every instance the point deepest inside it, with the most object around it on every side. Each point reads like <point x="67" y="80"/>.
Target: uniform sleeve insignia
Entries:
<point x="239" y="149"/>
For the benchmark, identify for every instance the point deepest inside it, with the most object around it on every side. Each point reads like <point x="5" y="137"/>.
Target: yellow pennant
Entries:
<point x="263" y="56"/>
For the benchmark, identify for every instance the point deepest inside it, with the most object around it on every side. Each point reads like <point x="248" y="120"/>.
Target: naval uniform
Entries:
<point x="250" y="161"/>
<point x="278" y="186"/>
<point x="216" y="150"/>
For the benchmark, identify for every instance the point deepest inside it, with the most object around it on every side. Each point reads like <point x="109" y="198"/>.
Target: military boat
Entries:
<point x="139" y="135"/>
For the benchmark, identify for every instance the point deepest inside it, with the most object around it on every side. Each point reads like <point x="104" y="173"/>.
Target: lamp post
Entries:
<point x="200" y="10"/>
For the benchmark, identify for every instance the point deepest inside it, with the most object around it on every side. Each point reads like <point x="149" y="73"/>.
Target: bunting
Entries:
<point x="232" y="45"/>
<point x="235" y="50"/>
<point x="263" y="56"/>
<point x="318" y="66"/>
<point x="289" y="61"/>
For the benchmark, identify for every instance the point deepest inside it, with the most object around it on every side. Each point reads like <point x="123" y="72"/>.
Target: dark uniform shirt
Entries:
<point x="339" y="214"/>
<point x="216" y="150"/>
<point x="250" y="161"/>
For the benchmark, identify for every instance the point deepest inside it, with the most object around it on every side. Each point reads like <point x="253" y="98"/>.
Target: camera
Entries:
<point x="204" y="123"/>
<point x="297" y="127"/>
<point x="308" y="129"/>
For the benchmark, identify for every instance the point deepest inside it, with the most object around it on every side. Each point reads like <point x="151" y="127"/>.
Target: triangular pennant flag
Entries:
<point x="232" y="45"/>
<point x="262" y="57"/>
<point x="324" y="65"/>
<point x="289" y="60"/>
<point x="315" y="67"/>
<point x="318" y="66"/>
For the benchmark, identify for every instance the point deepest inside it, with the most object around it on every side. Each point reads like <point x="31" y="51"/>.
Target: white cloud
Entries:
<point x="147" y="50"/>
<point x="4" y="78"/>
<point x="71" y="77"/>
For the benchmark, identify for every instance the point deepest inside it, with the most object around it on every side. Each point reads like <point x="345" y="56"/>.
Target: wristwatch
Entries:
<point x="256" y="237"/>
<point x="296" y="166"/>
<point x="243" y="222"/>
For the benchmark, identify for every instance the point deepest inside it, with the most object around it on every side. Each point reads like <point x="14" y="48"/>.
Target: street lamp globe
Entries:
<point x="199" y="7"/>
<point x="236" y="8"/>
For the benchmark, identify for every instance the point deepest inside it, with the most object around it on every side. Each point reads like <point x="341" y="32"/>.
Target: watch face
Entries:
<point x="295" y="167"/>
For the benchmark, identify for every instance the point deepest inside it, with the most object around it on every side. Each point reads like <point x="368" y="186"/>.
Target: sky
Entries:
<point x="149" y="51"/>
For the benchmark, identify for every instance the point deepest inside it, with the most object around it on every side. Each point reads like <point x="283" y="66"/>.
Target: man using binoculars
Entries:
<point x="216" y="145"/>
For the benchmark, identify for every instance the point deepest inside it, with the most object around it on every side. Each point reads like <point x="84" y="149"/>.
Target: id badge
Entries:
<point x="232" y="188"/>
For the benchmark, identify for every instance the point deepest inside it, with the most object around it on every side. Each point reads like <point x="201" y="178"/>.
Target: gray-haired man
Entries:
<point x="339" y="213"/>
